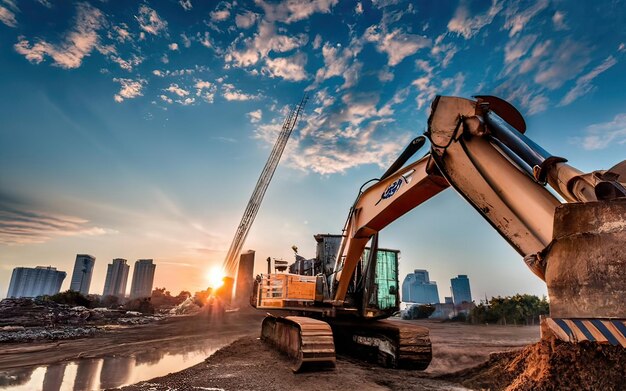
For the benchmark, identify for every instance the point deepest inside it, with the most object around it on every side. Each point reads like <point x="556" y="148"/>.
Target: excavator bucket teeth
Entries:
<point x="309" y="342"/>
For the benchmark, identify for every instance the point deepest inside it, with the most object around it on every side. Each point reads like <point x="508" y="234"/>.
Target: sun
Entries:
<point x="215" y="277"/>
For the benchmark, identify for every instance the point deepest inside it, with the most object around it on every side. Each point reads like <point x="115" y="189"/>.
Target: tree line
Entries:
<point x="510" y="310"/>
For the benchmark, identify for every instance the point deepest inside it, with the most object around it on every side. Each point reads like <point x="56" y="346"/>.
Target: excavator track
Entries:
<point x="308" y="341"/>
<point x="389" y="343"/>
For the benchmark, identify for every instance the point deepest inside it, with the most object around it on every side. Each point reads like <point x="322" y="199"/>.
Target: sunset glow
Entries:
<point x="215" y="277"/>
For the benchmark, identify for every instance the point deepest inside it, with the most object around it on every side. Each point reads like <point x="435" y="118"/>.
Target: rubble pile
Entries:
<point x="549" y="365"/>
<point x="187" y="307"/>
<point x="14" y="334"/>
<point x="27" y="319"/>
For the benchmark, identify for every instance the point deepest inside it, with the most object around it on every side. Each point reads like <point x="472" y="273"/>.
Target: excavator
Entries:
<point x="572" y="236"/>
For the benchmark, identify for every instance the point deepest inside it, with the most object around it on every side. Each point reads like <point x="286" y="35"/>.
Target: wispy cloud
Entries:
<point x="516" y="18"/>
<point x="602" y="135"/>
<point x="468" y="26"/>
<point x="186" y="4"/>
<point x="230" y="92"/>
<point x="397" y="44"/>
<point x="24" y="226"/>
<point x="295" y="10"/>
<point x="78" y="43"/>
<point x="7" y="16"/>
<point x="584" y="83"/>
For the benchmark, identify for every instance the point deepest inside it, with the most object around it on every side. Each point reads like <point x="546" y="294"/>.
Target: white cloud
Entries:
<point x="558" y="20"/>
<point x="45" y="3"/>
<point x="340" y="62"/>
<point x="602" y="135"/>
<point x="294" y="10"/>
<point x="289" y="68"/>
<point x="266" y="40"/>
<point x="149" y="21"/>
<point x="583" y="83"/>
<point x="186" y="40"/>
<point x="246" y="20"/>
<point x="255" y="116"/>
<point x="173" y="46"/>
<point x="129" y="64"/>
<point x="516" y="19"/>
<point x="166" y="99"/>
<point x="221" y="13"/>
<point x="397" y="44"/>
<point x="206" y="90"/>
<point x="129" y="89"/>
<point x="7" y="17"/>
<point x="317" y="42"/>
<point x="121" y="33"/>
<point x="77" y="44"/>
<point x="230" y="93"/>
<point x="359" y="8"/>
<point x="186" y="4"/>
<point x="340" y="134"/>
<point x="467" y="26"/>
<point x="175" y="89"/>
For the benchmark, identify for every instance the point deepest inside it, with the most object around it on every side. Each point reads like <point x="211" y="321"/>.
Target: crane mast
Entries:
<point x="232" y="257"/>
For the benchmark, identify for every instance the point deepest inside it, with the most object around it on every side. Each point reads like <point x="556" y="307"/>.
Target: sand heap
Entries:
<point x="550" y="365"/>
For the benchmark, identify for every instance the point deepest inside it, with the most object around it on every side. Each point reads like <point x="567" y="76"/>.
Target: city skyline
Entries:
<point x="140" y="129"/>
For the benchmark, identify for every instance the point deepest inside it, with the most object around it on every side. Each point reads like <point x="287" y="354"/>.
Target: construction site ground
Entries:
<point x="249" y="364"/>
<point x="464" y="357"/>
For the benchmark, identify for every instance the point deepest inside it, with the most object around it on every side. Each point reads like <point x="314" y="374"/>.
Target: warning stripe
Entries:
<point x="611" y="331"/>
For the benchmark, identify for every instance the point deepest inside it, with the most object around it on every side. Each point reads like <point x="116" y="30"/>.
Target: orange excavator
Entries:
<point x="574" y="240"/>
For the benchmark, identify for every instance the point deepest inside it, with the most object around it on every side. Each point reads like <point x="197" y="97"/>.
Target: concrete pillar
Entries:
<point x="586" y="262"/>
<point x="245" y="277"/>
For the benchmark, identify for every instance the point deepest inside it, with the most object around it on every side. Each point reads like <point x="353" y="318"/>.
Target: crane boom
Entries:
<point x="232" y="257"/>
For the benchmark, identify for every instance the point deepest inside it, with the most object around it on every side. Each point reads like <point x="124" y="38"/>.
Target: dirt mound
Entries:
<point x="549" y="365"/>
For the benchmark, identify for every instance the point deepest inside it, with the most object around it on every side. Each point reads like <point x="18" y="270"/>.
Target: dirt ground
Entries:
<point x="248" y="364"/>
<point x="549" y="365"/>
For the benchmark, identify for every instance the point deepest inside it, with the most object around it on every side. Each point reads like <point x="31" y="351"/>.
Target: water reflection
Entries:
<point x="116" y="371"/>
<point x="87" y="375"/>
<point x="53" y="379"/>
<point x="111" y="371"/>
<point x="16" y="377"/>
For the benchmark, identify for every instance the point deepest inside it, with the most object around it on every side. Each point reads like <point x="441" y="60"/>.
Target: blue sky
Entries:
<point x="138" y="129"/>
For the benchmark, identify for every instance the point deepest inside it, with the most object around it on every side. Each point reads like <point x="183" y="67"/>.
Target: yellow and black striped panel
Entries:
<point x="611" y="331"/>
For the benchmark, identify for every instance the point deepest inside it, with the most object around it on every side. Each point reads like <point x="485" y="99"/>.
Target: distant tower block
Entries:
<point x="245" y="277"/>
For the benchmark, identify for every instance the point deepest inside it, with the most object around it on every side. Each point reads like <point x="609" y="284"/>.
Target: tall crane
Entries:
<point x="232" y="257"/>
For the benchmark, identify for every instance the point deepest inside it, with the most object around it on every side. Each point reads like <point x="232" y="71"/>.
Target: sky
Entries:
<point x="138" y="129"/>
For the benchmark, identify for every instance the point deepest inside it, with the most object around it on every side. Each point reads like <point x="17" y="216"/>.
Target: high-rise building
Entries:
<point x="117" y="276"/>
<point x="417" y="288"/>
<point x="143" y="277"/>
<point x="33" y="282"/>
<point x="460" y="287"/>
<point x="83" y="270"/>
